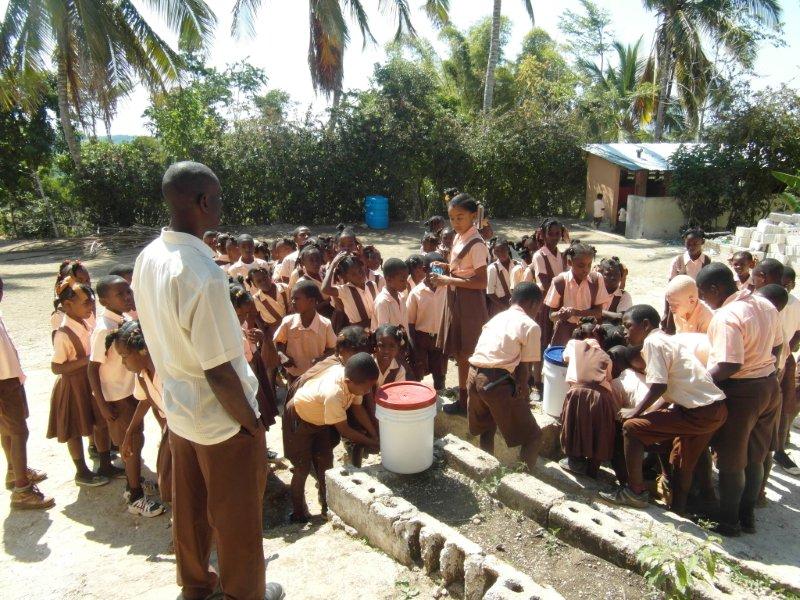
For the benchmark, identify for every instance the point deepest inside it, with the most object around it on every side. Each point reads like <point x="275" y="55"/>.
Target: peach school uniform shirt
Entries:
<point x="577" y="295"/>
<point x="304" y="344"/>
<point x="426" y="307"/>
<point x="508" y="339"/>
<point x="476" y="257"/>
<point x="744" y="331"/>
<point x="324" y="399"/>
<point x="115" y="379"/>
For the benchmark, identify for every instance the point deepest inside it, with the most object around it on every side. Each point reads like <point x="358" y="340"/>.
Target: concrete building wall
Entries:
<point x="653" y="217"/>
<point x="602" y="177"/>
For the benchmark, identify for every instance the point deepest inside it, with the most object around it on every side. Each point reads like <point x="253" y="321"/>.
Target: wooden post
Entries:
<point x="640" y="182"/>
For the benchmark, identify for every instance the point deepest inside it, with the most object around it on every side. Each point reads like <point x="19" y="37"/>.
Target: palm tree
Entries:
<point x="105" y="38"/>
<point x="494" y="51"/>
<point x="681" y="27"/>
<point x="329" y="33"/>
<point x="627" y="86"/>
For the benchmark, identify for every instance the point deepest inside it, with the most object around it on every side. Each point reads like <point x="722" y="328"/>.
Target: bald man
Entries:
<point x="691" y="314"/>
<point x="217" y="441"/>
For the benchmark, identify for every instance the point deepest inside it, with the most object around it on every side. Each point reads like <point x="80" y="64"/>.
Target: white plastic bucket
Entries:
<point x="554" y="376"/>
<point x="406" y="431"/>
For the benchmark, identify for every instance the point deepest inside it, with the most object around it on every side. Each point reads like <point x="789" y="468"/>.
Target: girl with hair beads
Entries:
<point x="500" y="275"/>
<point x="259" y="352"/>
<point x="576" y="293"/>
<point x="77" y="271"/>
<point x="465" y="311"/>
<point x="309" y="265"/>
<point x="128" y="342"/>
<point x="300" y="237"/>
<point x="373" y="261"/>
<point x="687" y="263"/>
<point x="73" y="413"/>
<point x="356" y="297"/>
<point x="346" y="240"/>
<point x="262" y="251"/>
<point x="613" y="272"/>
<point x="588" y="416"/>
<point x="271" y="299"/>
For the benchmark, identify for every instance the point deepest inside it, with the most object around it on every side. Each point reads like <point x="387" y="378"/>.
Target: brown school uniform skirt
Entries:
<point x="119" y="426"/>
<point x="73" y="411"/>
<point x="498" y="408"/>
<point x="545" y="324"/>
<point x="691" y="429"/>
<point x="302" y="441"/>
<point x="588" y="422"/>
<point x="164" y="466"/>
<point x="465" y="315"/>
<point x="13" y="407"/>
<point x="746" y="435"/>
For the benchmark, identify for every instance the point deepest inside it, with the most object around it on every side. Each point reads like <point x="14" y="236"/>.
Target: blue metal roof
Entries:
<point x="637" y="157"/>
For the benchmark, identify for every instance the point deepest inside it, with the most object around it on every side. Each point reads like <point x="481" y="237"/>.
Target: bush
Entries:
<point x="119" y="184"/>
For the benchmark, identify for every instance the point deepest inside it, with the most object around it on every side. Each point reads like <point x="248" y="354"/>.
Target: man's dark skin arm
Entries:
<point x="227" y="387"/>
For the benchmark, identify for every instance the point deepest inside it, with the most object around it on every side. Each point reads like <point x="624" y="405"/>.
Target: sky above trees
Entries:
<point x="281" y="42"/>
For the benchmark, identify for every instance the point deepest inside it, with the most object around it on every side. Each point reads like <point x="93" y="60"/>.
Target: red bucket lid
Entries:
<point x="405" y="395"/>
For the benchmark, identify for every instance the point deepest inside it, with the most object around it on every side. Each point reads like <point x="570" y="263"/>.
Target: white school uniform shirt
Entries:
<point x="190" y="326"/>
<point x="63" y="348"/>
<point x="115" y="380"/>
<point x="687" y="380"/>
<point x="494" y="272"/>
<point x="10" y="366"/>
<point x="382" y="375"/>
<point x="625" y="302"/>
<point x="690" y="267"/>
<point x="425" y="307"/>
<point x="350" y="309"/>
<point x="389" y="311"/>
<point x="599" y="208"/>
<point x="153" y="387"/>
<point x="243" y="269"/>
<point x="790" y="324"/>
<point x="628" y="390"/>
<point x="285" y="268"/>
<point x="509" y="338"/>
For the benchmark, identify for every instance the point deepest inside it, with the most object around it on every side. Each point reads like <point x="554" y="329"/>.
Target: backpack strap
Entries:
<point x="563" y="262"/>
<point x="391" y="376"/>
<point x="503" y="281"/>
<point x="681" y="265"/>
<point x="80" y="352"/>
<point x="372" y="288"/>
<point x="706" y="260"/>
<point x="560" y="284"/>
<point x="270" y="309"/>
<point x="359" y="302"/>
<point x="285" y="297"/>
<point x="614" y="303"/>
<point x="468" y="246"/>
<point x="594" y="287"/>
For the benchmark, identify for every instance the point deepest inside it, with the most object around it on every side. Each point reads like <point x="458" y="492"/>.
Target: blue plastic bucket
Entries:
<point x="555" y="355"/>
<point x="376" y="212"/>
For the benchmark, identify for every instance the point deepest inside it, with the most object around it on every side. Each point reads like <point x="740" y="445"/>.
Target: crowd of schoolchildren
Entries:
<point x="709" y="385"/>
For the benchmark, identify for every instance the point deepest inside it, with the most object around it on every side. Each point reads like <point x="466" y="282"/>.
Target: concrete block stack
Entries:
<point x="777" y="236"/>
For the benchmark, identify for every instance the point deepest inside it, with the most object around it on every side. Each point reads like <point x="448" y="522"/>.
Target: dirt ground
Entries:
<point x="88" y="546"/>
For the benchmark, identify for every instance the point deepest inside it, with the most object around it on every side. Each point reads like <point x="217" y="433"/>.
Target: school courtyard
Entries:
<point x="88" y="546"/>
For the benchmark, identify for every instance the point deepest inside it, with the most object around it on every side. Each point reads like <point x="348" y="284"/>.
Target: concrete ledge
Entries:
<point x="530" y="496"/>
<point x="467" y="459"/>
<point x="551" y="431"/>
<point x="413" y="537"/>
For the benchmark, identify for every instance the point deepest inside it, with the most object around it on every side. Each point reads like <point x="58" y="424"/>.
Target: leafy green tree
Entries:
<point x="590" y="35"/>
<point x="109" y="39"/>
<point x="544" y="81"/>
<point x="679" y="51"/>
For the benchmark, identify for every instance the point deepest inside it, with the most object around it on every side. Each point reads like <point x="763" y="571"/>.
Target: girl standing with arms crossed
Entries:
<point x="465" y="312"/>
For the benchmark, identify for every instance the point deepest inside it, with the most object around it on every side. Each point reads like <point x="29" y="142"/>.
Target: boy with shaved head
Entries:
<point x="691" y="314"/>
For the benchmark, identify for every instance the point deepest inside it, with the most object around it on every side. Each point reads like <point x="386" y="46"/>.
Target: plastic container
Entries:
<point x="376" y="212"/>
<point x="554" y="375"/>
<point x="405" y="412"/>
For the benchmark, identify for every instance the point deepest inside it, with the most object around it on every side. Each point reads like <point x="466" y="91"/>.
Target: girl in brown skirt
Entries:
<point x="588" y="417"/>
<point x="465" y="313"/>
<point x="73" y="413"/>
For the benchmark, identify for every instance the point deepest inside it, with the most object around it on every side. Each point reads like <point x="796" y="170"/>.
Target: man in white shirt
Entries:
<point x="217" y="442"/>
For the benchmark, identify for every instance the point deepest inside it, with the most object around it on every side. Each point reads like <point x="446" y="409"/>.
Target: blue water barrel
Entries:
<point x="376" y="212"/>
